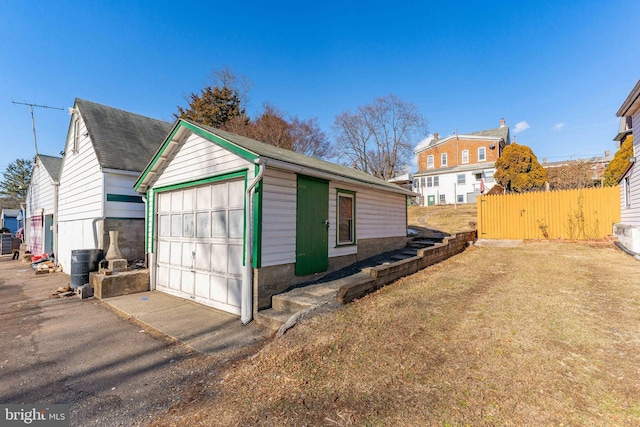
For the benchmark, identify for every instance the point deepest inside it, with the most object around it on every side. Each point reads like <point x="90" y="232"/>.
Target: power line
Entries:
<point x="33" y="120"/>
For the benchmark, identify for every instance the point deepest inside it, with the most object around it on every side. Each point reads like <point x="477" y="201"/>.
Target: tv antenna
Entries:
<point x="33" y="120"/>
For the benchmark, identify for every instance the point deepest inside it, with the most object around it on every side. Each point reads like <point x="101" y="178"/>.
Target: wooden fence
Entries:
<point x="567" y="214"/>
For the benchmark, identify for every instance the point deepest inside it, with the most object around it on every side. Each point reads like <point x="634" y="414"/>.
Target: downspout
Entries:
<point x="246" y="310"/>
<point x="102" y="216"/>
<point x="56" y="187"/>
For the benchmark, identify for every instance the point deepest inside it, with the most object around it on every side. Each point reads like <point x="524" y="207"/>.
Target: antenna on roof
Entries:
<point x="33" y="121"/>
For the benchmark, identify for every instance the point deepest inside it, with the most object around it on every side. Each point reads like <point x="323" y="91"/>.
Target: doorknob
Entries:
<point x="326" y="223"/>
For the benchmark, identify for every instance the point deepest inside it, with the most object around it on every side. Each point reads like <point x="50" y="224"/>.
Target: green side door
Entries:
<point x="312" y="226"/>
<point x="431" y="200"/>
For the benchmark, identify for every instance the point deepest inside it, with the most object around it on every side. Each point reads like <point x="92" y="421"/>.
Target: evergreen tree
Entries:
<point x="614" y="170"/>
<point x="16" y="179"/>
<point x="518" y="170"/>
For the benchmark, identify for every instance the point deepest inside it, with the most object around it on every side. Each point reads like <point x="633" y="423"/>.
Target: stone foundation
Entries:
<point x="131" y="237"/>
<point x="125" y="283"/>
<point x="628" y="235"/>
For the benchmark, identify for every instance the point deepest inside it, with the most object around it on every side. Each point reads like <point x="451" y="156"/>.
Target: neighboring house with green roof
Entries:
<point x="459" y="167"/>
<point x="41" y="204"/>
<point x="105" y="151"/>
<point x="232" y="221"/>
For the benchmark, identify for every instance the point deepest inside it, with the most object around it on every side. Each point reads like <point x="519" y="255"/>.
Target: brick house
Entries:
<point x="459" y="167"/>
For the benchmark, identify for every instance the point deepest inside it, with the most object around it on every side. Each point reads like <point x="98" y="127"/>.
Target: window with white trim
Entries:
<point x="465" y="156"/>
<point x="430" y="161"/>
<point x="443" y="159"/>
<point x="460" y="198"/>
<point x="461" y="178"/>
<point x="482" y="154"/>
<point x="346" y="218"/>
<point x="76" y="136"/>
<point x="436" y="181"/>
<point x="443" y="199"/>
<point x="627" y="192"/>
<point x="429" y="181"/>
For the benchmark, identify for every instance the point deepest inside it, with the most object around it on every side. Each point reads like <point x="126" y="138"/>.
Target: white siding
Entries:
<point x="449" y="187"/>
<point x="278" y="218"/>
<point x="122" y="184"/>
<point x="198" y="158"/>
<point x="81" y="192"/>
<point x="74" y="235"/>
<point x="630" y="215"/>
<point x="378" y="215"/>
<point x="40" y="193"/>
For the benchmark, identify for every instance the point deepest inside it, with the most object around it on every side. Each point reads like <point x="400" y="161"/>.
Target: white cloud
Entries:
<point x="558" y="126"/>
<point x="521" y="127"/>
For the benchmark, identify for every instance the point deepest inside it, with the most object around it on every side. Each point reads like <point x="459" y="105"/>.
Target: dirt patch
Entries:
<point x="539" y="334"/>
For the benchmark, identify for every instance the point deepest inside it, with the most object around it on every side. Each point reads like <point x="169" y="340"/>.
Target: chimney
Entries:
<point x="435" y="135"/>
<point x="501" y="123"/>
<point x="607" y="153"/>
<point x="544" y="160"/>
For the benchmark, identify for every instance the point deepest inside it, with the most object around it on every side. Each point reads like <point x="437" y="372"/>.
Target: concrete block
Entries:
<point x="117" y="265"/>
<point x="124" y="283"/>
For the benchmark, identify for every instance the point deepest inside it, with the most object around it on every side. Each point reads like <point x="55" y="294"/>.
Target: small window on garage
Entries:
<point x="346" y="217"/>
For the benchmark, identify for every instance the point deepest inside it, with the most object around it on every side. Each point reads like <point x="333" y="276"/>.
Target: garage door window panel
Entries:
<point x="203" y="225"/>
<point x="187" y="225"/>
<point x="219" y="223"/>
<point x="236" y="223"/>
<point x="176" y="225"/>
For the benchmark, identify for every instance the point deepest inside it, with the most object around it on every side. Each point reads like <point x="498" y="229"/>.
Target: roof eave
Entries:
<point x="631" y="101"/>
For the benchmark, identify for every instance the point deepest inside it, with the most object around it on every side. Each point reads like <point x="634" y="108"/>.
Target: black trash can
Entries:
<point x="84" y="261"/>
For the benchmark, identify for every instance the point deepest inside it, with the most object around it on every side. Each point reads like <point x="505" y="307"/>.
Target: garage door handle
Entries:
<point x="326" y="223"/>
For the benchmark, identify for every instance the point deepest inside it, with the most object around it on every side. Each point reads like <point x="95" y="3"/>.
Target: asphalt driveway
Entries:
<point x="112" y="371"/>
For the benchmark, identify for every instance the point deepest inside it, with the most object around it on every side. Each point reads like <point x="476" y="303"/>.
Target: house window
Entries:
<point x="346" y="218"/>
<point x="465" y="156"/>
<point x="478" y="176"/>
<point x="460" y="198"/>
<point x="422" y="182"/>
<point x="443" y="159"/>
<point x="482" y="154"/>
<point x="436" y="181"/>
<point x="461" y="179"/>
<point x="443" y="199"/>
<point x="430" y="161"/>
<point x="429" y="181"/>
<point x="76" y="136"/>
<point x="627" y="192"/>
<point x="488" y="176"/>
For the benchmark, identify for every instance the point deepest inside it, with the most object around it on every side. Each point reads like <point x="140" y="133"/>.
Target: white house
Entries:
<point x="41" y="205"/>
<point x="232" y="221"/>
<point x="459" y="167"/>
<point x="628" y="229"/>
<point x="105" y="151"/>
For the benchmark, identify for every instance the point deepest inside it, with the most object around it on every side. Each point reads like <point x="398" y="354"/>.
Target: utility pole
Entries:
<point x="33" y="120"/>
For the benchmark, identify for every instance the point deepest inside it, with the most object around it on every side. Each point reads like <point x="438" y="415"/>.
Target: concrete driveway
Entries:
<point x="112" y="371"/>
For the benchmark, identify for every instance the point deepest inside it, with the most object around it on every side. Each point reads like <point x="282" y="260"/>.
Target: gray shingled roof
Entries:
<point x="52" y="165"/>
<point x="122" y="140"/>
<point x="501" y="132"/>
<point x="272" y="152"/>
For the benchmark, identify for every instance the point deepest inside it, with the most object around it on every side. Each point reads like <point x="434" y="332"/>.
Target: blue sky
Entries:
<point x="556" y="71"/>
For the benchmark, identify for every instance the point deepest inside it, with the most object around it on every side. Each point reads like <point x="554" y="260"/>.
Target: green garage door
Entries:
<point x="312" y="226"/>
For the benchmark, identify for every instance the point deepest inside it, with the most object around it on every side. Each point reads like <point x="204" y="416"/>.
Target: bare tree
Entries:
<point x="378" y="138"/>
<point x="574" y="175"/>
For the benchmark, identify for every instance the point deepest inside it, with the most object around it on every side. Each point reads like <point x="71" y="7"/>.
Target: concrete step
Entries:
<point x="401" y="257"/>
<point x="271" y="318"/>
<point x="291" y="302"/>
<point x="419" y="244"/>
<point x="410" y="252"/>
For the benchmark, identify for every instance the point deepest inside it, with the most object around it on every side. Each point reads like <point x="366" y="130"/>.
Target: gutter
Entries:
<point x="246" y="295"/>
<point x="56" y="188"/>
<point x="279" y="164"/>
